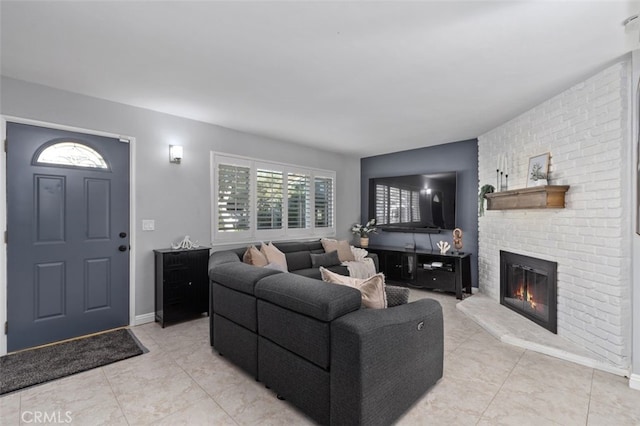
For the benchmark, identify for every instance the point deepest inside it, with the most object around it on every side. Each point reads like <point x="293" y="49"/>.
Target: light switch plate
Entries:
<point x="148" y="225"/>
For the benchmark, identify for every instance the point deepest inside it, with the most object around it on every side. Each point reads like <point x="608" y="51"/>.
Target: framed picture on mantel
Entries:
<point x="538" y="170"/>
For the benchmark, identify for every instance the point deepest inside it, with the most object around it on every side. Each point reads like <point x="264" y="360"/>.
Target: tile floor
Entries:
<point x="180" y="381"/>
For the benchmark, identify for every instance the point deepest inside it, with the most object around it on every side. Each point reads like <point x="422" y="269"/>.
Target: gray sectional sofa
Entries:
<point x="313" y="344"/>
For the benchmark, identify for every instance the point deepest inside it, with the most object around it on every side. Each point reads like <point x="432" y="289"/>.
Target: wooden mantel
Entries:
<point x="537" y="197"/>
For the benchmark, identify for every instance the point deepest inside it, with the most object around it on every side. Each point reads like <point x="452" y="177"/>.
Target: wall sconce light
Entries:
<point x="175" y="154"/>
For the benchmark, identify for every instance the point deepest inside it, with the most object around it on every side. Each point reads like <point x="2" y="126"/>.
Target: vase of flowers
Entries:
<point x="363" y="231"/>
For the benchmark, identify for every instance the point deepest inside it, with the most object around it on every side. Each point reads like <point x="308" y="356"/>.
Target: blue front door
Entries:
<point x="68" y="234"/>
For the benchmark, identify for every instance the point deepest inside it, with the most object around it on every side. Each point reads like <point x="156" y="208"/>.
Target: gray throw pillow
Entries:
<point x="324" y="259"/>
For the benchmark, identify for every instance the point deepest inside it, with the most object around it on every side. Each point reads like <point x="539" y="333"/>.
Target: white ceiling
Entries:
<point x="362" y="78"/>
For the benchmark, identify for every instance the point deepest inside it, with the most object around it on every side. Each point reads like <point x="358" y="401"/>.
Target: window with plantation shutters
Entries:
<point x="298" y="194"/>
<point x="234" y="206"/>
<point x="269" y="199"/>
<point x="255" y="200"/>
<point x="323" y="207"/>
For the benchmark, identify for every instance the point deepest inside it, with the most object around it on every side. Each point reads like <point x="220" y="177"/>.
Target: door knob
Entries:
<point x="122" y="248"/>
<point x="123" y="235"/>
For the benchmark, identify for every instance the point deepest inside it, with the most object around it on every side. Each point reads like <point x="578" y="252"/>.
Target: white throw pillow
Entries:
<point x="372" y="288"/>
<point x="274" y="256"/>
<point x="342" y="247"/>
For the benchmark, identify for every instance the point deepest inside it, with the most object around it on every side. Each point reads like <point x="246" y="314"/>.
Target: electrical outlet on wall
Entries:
<point x="148" y="225"/>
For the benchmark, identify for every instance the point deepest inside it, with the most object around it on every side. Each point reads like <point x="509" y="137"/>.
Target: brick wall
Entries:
<point x="586" y="131"/>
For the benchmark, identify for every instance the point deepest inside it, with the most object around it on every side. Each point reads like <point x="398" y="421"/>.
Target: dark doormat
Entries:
<point x="34" y="366"/>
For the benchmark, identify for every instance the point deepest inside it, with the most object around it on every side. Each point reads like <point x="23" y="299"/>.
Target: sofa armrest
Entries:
<point x="219" y="257"/>
<point x="382" y="361"/>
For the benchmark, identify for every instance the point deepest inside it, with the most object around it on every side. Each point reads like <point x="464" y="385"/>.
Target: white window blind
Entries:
<point x="323" y="202"/>
<point x="234" y="206"/>
<point x="298" y="194"/>
<point x="269" y="200"/>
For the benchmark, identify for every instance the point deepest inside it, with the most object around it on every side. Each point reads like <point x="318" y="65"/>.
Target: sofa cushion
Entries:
<point x="342" y="246"/>
<point x="298" y="260"/>
<point x="308" y="272"/>
<point x="308" y="296"/>
<point x="234" y="305"/>
<point x="315" y="246"/>
<point x="315" y="272"/>
<point x="274" y="255"/>
<point x="396" y="295"/>
<point x="307" y="337"/>
<point x="298" y="381"/>
<point x="372" y="288"/>
<point x="236" y="343"/>
<point x="240" y="276"/>
<point x="325" y="259"/>
<point x="254" y="257"/>
<point x="291" y="246"/>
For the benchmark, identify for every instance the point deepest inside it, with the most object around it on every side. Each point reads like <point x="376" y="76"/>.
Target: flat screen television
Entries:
<point x="414" y="203"/>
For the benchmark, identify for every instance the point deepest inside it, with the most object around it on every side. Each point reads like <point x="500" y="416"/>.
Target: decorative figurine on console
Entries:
<point x="457" y="239"/>
<point x="444" y="247"/>
<point x="185" y="244"/>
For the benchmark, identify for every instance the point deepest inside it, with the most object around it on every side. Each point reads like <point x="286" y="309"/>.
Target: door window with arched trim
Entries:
<point x="71" y="154"/>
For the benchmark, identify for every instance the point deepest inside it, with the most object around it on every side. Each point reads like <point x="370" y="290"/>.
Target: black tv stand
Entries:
<point x="428" y="269"/>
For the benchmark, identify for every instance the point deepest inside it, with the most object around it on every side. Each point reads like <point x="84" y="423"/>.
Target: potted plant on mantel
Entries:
<point x="538" y="175"/>
<point x="364" y="231"/>
<point x="486" y="189"/>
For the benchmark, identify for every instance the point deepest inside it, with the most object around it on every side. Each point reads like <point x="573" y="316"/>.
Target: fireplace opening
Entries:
<point x="528" y="286"/>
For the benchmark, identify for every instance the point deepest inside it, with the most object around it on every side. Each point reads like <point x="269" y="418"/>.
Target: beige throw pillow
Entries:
<point x="372" y="288"/>
<point x="254" y="257"/>
<point x="274" y="256"/>
<point x="342" y="246"/>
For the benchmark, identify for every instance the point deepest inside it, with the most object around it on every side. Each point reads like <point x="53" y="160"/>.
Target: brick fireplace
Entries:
<point x="585" y="130"/>
<point x="528" y="286"/>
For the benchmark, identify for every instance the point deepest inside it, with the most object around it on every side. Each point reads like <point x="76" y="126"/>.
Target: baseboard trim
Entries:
<point x="565" y="355"/>
<point x="634" y="381"/>
<point x="144" y="318"/>
<point x="493" y="317"/>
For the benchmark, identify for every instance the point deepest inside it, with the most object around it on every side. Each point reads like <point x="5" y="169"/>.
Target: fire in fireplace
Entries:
<point x="528" y="286"/>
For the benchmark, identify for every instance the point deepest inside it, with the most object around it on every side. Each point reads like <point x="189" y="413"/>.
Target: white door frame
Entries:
<point x="3" y="215"/>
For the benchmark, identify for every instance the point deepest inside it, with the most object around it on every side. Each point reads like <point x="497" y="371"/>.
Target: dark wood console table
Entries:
<point x="182" y="284"/>
<point x="427" y="269"/>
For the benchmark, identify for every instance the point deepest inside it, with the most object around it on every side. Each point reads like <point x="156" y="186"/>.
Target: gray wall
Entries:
<point x="176" y="196"/>
<point x="457" y="156"/>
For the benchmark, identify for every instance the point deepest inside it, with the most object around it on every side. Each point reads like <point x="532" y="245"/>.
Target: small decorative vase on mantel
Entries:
<point x="541" y="182"/>
<point x="364" y="242"/>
